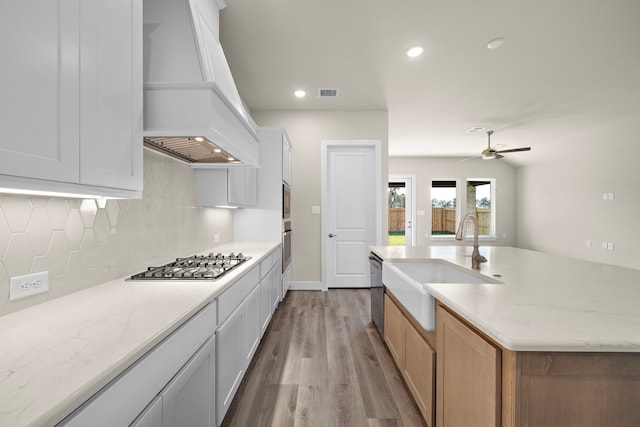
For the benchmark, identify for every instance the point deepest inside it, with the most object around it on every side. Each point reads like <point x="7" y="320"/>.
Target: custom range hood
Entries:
<point x="192" y="109"/>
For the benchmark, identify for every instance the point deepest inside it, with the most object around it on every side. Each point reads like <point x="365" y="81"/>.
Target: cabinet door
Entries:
<point x="151" y="416"/>
<point x="188" y="400"/>
<point x="111" y="95"/>
<point x="275" y="289"/>
<point x="286" y="161"/>
<point x="468" y="376"/>
<point x="251" y="324"/>
<point x="251" y="187"/>
<point x="394" y="331"/>
<point x="229" y="362"/>
<point x="419" y="371"/>
<point x="241" y="186"/>
<point x="39" y="136"/>
<point x="265" y="302"/>
<point x="236" y="182"/>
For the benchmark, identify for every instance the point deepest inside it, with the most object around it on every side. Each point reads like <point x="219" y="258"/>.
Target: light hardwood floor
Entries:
<point x="322" y="363"/>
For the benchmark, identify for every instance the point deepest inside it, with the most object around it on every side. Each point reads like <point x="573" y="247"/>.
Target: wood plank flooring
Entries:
<point x="322" y="363"/>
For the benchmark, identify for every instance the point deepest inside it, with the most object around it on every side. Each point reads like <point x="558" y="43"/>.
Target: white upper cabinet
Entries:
<point x="265" y="223"/>
<point x="72" y="90"/>
<point x="286" y="159"/>
<point x="111" y="95"/>
<point x="217" y="187"/>
<point x="39" y="134"/>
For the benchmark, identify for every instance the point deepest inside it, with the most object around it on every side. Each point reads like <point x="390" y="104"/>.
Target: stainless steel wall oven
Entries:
<point x="286" y="244"/>
<point x="286" y="202"/>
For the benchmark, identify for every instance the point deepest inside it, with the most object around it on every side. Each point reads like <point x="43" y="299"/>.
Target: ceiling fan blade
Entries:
<point x="469" y="158"/>
<point x="513" y="150"/>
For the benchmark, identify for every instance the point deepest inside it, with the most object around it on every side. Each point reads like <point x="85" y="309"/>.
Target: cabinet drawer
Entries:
<point x="231" y="298"/>
<point x="266" y="265"/>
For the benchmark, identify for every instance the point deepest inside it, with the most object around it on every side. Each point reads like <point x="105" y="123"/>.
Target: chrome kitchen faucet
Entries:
<point x="476" y="258"/>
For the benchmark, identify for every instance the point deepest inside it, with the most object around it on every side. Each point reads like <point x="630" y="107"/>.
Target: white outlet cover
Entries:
<point x="28" y="284"/>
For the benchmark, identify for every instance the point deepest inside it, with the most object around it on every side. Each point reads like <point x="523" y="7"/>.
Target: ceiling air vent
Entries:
<point x="327" y="93"/>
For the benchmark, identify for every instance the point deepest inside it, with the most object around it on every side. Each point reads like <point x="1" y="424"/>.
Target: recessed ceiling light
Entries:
<point x="217" y="150"/>
<point x="199" y="138"/>
<point x="495" y="43"/>
<point x="415" y="51"/>
<point x="231" y="159"/>
<point x="300" y="93"/>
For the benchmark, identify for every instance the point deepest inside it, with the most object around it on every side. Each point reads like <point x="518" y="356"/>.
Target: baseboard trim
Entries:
<point x="305" y="286"/>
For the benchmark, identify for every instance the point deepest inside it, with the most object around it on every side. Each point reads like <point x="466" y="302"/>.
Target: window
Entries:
<point x="444" y="209"/>
<point x="480" y="202"/>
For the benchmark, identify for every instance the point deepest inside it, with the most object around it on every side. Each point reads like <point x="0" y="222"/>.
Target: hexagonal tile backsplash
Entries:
<point x="85" y="242"/>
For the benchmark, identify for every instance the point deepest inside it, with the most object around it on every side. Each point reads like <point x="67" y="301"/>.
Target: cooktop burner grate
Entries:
<point x="195" y="267"/>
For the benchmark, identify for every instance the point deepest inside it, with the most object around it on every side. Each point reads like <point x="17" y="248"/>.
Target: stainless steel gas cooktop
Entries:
<point x="195" y="267"/>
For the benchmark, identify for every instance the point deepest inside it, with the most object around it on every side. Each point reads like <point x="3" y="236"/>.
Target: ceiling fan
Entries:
<point x="491" y="153"/>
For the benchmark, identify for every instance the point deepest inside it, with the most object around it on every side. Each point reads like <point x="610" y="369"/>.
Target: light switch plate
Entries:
<point x="27" y="285"/>
<point x="315" y="210"/>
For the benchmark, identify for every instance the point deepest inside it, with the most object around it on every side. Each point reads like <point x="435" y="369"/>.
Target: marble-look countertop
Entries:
<point x="545" y="302"/>
<point x="56" y="355"/>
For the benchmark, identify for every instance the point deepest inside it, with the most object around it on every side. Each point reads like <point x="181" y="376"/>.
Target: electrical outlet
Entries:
<point x="27" y="285"/>
<point x="589" y="244"/>
<point x="216" y="238"/>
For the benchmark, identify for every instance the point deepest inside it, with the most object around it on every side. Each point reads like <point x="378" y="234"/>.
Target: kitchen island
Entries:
<point x="556" y="342"/>
<point x="58" y="354"/>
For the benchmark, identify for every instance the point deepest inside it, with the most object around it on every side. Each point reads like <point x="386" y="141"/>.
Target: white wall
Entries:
<point x="82" y="243"/>
<point x="428" y="169"/>
<point x="306" y="129"/>
<point x="560" y="203"/>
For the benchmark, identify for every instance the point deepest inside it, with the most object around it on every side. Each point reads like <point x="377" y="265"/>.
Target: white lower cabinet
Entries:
<point x="189" y="399"/>
<point x="151" y="416"/>
<point x="171" y="385"/>
<point x="252" y="325"/>
<point x="237" y="339"/>
<point x="276" y="290"/>
<point x="190" y="378"/>
<point x="270" y="287"/>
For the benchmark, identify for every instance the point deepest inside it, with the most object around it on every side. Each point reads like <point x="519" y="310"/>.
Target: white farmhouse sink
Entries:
<point x="405" y="278"/>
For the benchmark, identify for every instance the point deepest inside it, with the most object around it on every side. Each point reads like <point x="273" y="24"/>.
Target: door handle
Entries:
<point x="333" y="235"/>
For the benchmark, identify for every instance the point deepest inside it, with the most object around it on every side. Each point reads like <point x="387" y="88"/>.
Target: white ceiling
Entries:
<point x="566" y="66"/>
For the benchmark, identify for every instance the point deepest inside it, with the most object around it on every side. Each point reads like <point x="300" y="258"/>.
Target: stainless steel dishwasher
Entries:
<point x="377" y="293"/>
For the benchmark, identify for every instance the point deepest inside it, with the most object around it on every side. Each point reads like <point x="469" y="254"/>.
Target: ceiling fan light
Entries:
<point x="489" y="156"/>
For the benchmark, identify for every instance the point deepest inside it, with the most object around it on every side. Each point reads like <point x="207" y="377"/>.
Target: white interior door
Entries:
<point x="350" y="209"/>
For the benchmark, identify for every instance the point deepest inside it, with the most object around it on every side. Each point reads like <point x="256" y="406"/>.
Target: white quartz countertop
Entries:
<point x="545" y="303"/>
<point x="56" y="355"/>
